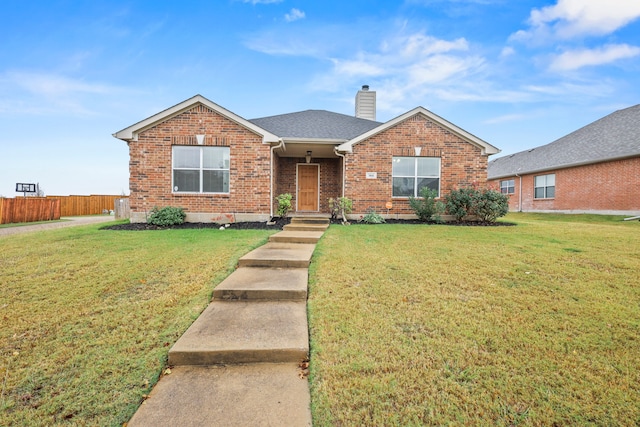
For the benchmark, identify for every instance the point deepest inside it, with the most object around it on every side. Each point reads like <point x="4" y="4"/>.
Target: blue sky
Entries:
<point x="517" y="74"/>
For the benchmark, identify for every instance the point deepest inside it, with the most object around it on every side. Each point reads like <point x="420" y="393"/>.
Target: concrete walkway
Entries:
<point x="239" y="362"/>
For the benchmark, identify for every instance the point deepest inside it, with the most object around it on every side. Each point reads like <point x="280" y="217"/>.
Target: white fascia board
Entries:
<point x="131" y="133"/>
<point x="487" y="149"/>
<point x="294" y="140"/>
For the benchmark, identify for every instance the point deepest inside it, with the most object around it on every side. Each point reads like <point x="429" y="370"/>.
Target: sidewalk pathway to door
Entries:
<point x="239" y="362"/>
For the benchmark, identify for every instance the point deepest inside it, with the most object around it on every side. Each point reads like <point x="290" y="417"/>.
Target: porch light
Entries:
<point x="308" y="157"/>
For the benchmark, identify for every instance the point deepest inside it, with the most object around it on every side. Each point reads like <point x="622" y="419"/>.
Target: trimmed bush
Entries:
<point x="284" y="204"/>
<point x="488" y="205"/>
<point x="459" y="202"/>
<point x="426" y="207"/>
<point x="166" y="216"/>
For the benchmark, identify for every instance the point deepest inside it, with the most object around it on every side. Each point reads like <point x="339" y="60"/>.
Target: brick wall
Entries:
<point x="151" y="173"/>
<point x="601" y="187"/>
<point x="462" y="163"/>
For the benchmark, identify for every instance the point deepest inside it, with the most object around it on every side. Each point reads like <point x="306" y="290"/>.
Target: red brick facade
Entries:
<point x="462" y="164"/>
<point x="607" y="187"/>
<point x="256" y="178"/>
<point x="150" y="167"/>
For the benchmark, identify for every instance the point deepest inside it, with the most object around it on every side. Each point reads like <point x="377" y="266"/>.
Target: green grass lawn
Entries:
<point x="89" y="315"/>
<point x="537" y="324"/>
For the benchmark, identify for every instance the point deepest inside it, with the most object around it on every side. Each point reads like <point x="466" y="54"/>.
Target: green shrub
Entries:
<point x="487" y="205"/>
<point x="426" y="207"/>
<point x="373" y="218"/>
<point x="490" y="205"/>
<point x="167" y="216"/>
<point x="340" y="206"/>
<point x="284" y="204"/>
<point x="459" y="202"/>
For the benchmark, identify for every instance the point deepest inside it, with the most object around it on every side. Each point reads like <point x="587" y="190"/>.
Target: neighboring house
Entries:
<point x="595" y="169"/>
<point x="221" y="167"/>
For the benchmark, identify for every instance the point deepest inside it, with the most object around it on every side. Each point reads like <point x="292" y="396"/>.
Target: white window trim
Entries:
<point x="545" y="186"/>
<point x="508" y="186"/>
<point x="200" y="169"/>
<point x="415" y="175"/>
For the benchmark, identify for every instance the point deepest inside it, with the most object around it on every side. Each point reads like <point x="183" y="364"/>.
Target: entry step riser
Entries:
<point x="263" y="263"/>
<point x="293" y="239"/>
<point x="309" y="220"/>
<point x="230" y="357"/>
<point x="305" y="227"/>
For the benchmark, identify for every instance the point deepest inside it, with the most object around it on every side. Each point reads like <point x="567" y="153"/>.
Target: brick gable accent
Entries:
<point x="462" y="163"/>
<point x="150" y="167"/>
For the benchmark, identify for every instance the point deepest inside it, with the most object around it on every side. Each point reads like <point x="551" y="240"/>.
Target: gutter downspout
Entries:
<point x="344" y="167"/>
<point x="273" y="148"/>
<point x="519" y="193"/>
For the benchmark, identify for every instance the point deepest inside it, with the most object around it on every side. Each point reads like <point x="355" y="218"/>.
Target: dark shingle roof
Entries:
<point x="317" y="124"/>
<point x="612" y="137"/>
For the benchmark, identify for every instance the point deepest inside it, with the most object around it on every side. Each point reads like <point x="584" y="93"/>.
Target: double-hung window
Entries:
<point x="508" y="186"/>
<point x="200" y="169"/>
<point x="411" y="174"/>
<point x="545" y="186"/>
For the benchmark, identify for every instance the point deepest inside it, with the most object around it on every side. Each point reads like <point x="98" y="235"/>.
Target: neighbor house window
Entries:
<point x="200" y="169"/>
<point x="545" y="186"/>
<point x="411" y="174"/>
<point x="508" y="186"/>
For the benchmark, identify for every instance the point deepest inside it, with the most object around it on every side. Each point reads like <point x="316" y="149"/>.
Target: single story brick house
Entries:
<point x="595" y="169"/>
<point x="221" y="167"/>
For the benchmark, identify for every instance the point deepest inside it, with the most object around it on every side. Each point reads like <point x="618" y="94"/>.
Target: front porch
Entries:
<point x="311" y="183"/>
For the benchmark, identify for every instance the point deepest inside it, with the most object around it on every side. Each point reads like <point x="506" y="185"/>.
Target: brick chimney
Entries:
<point x="366" y="103"/>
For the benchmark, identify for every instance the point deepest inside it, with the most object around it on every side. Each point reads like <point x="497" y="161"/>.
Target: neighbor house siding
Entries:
<point x="151" y="168"/>
<point x="462" y="163"/>
<point x="600" y="187"/>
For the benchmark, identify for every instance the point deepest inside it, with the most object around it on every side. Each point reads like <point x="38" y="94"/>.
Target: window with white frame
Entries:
<point x="200" y="169"/>
<point x="545" y="186"/>
<point x="411" y="174"/>
<point x="508" y="186"/>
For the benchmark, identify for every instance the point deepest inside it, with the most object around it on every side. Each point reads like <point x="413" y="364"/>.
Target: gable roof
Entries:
<point x="315" y="124"/>
<point x="487" y="148"/>
<point x="616" y="136"/>
<point x="131" y="133"/>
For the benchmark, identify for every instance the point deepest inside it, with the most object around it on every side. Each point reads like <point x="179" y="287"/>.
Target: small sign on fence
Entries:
<point x="25" y="188"/>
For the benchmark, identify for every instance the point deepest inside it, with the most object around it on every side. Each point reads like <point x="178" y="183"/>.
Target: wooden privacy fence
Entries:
<point x="28" y="209"/>
<point x="85" y="205"/>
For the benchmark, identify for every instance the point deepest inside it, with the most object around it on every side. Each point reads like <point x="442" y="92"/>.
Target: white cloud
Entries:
<point x="574" y="18"/>
<point x="572" y="60"/>
<point x="42" y="93"/>
<point x="294" y="15"/>
<point x="506" y="118"/>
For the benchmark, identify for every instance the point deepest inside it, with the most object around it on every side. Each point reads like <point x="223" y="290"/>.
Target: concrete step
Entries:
<point x="320" y="228"/>
<point x="255" y="283"/>
<point x="232" y="332"/>
<point x="233" y="396"/>
<point x="279" y="255"/>
<point x="295" y="236"/>
<point x="309" y="220"/>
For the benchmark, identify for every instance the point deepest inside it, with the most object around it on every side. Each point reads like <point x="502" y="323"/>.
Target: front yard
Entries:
<point x="89" y="315"/>
<point x="537" y="324"/>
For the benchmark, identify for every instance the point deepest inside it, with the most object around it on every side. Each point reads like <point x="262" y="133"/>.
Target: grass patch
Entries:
<point x="537" y="324"/>
<point x="88" y="316"/>
<point x="22" y="224"/>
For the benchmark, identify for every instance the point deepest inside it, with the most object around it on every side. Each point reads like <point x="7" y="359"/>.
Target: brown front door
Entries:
<point x="308" y="183"/>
